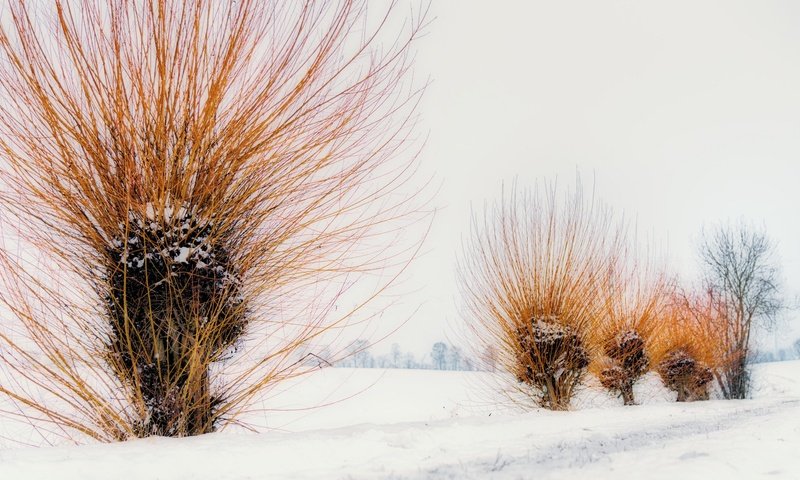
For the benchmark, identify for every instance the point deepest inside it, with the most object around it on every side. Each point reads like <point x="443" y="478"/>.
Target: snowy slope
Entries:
<point x="430" y="425"/>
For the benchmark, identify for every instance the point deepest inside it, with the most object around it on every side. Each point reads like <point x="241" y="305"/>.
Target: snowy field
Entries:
<point x="415" y="424"/>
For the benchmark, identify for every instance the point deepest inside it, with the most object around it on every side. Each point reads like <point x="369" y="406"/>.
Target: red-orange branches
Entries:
<point x="181" y="176"/>
<point x="627" y="328"/>
<point x="708" y="314"/>
<point x="532" y="278"/>
<point x="686" y="353"/>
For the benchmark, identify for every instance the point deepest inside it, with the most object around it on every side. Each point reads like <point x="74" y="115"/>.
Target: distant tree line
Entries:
<point x="443" y="356"/>
<point x="779" y="355"/>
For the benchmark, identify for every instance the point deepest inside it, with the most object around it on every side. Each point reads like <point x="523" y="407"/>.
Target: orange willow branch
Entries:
<point x="186" y="186"/>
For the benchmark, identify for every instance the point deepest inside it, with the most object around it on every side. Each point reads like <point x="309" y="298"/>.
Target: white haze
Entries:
<point x="682" y="114"/>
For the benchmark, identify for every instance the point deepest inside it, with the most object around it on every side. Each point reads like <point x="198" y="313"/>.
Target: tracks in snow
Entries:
<point x="547" y="456"/>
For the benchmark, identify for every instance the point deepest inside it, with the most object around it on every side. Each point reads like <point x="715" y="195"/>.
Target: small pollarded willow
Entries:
<point x="531" y="280"/>
<point x="687" y="348"/>
<point x="626" y="329"/>
<point x="185" y="181"/>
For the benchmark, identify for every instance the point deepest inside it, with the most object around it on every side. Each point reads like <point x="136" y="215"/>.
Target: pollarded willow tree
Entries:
<point x="687" y="350"/>
<point x="628" y="328"/>
<point x="532" y="278"/>
<point x="187" y="187"/>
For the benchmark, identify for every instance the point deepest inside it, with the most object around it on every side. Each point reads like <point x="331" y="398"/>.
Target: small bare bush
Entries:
<point x="531" y="280"/>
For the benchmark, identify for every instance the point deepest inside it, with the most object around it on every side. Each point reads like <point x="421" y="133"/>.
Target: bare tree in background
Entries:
<point x="739" y="269"/>
<point x="454" y="358"/>
<point x="439" y="355"/>
<point x="396" y="356"/>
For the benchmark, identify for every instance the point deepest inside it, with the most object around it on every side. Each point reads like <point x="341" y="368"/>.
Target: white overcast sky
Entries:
<point x="683" y="113"/>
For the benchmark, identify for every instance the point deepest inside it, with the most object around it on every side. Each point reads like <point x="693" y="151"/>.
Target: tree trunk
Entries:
<point x="627" y="394"/>
<point x="683" y="394"/>
<point x="738" y="381"/>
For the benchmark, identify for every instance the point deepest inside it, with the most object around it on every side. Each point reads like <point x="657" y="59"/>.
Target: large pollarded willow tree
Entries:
<point x="534" y="277"/>
<point x="180" y="179"/>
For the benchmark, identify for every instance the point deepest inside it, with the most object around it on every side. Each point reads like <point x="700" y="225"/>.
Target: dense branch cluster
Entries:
<point x="685" y="375"/>
<point x="552" y="359"/>
<point x="534" y="280"/>
<point x="173" y="298"/>
<point x="628" y="362"/>
<point x="194" y="176"/>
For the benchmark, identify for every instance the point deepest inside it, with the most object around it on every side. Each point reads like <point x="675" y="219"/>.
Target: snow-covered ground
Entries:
<point x="407" y="424"/>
